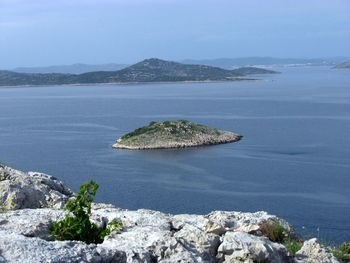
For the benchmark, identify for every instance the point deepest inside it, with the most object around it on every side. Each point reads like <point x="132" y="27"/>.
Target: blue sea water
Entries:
<point x="293" y="161"/>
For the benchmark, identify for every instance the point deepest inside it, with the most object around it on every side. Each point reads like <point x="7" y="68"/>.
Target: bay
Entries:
<point x="293" y="161"/>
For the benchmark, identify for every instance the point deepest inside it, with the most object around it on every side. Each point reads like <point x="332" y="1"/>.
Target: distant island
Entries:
<point x="174" y="134"/>
<point x="344" y="65"/>
<point x="149" y="70"/>
<point x="230" y="63"/>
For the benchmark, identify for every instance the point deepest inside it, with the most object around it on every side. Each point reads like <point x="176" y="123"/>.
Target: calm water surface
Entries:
<point x="294" y="159"/>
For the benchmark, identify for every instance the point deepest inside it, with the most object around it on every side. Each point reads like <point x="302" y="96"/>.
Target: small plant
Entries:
<point x="4" y="175"/>
<point x="79" y="226"/>
<point x="275" y="231"/>
<point x="293" y="246"/>
<point x="342" y="252"/>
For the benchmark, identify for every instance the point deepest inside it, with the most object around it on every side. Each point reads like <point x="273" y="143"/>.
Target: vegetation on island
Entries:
<point x="149" y="70"/>
<point x="178" y="130"/>
<point x="77" y="225"/>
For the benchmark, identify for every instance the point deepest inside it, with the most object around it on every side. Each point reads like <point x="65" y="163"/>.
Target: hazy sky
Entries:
<point x="49" y="32"/>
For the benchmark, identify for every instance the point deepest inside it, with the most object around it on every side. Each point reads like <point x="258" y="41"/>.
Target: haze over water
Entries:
<point x="293" y="160"/>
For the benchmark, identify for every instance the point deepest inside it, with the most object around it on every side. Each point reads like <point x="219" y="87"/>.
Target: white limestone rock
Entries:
<point x="313" y="252"/>
<point x="166" y="238"/>
<point x="243" y="247"/>
<point x="31" y="222"/>
<point x="17" y="248"/>
<point x="239" y="221"/>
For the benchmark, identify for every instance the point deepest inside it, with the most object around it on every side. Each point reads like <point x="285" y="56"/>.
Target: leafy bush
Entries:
<point x="342" y="252"/>
<point x="79" y="226"/>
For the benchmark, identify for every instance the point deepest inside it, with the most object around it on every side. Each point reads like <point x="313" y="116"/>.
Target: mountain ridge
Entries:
<point x="77" y="68"/>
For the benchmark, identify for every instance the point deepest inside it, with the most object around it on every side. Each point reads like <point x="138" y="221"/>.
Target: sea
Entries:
<point x="293" y="160"/>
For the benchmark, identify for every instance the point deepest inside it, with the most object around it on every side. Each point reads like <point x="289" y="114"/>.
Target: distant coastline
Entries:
<point x="136" y="83"/>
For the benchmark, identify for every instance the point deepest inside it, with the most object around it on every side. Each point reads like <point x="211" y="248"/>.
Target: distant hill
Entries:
<point x="149" y="70"/>
<point x="10" y="78"/>
<point x="344" y="65"/>
<point x="263" y="61"/>
<point x="71" y="69"/>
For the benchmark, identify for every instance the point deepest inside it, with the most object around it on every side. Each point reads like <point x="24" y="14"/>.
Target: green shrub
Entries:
<point x="342" y="252"/>
<point x="79" y="226"/>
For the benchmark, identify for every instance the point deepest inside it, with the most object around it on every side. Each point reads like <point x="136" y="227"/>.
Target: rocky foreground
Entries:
<point x="174" y="134"/>
<point x="31" y="202"/>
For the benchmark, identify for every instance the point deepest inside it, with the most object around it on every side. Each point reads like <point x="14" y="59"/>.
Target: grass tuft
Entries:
<point x="274" y="231"/>
<point x="342" y="252"/>
<point x="293" y="246"/>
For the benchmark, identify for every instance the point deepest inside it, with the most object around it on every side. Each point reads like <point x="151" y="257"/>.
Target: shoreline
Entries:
<point x="225" y="137"/>
<point x="178" y="146"/>
<point x="132" y="83"/>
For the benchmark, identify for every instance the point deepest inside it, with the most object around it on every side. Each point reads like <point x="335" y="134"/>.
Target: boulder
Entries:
<point x="314" y="252"/>
<point x="247" y="248"/>
<point x="20" y="190"/>
<point x="31" y="222"/>
<point x="18" y="248"/>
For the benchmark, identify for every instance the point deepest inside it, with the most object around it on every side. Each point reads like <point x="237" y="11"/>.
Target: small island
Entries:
<point x="174" y="134"/>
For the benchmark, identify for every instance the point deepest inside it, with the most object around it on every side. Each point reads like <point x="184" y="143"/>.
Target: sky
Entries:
<point x="58" y="32"/>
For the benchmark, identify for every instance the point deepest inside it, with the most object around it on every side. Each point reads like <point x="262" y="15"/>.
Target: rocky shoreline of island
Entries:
<point x="201" y="140"/>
